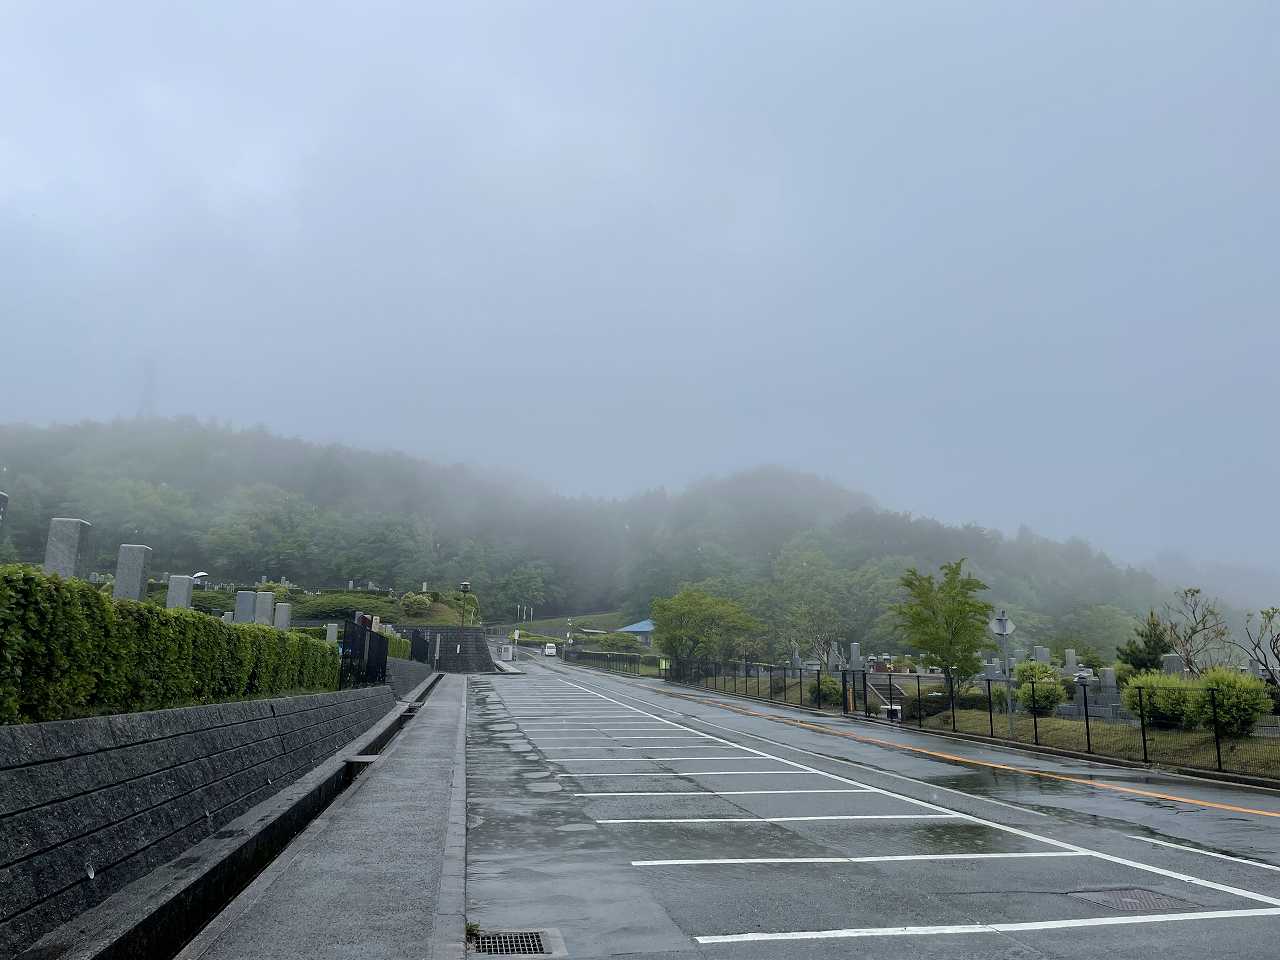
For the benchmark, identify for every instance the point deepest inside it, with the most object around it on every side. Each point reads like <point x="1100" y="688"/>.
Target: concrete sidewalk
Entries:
<point x="380" y="874"/>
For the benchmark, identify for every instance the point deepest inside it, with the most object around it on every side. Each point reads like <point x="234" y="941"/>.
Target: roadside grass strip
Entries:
<point x="1272" y="907"/>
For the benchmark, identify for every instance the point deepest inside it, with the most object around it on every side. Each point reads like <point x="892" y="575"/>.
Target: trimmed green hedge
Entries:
<point x="68" y="650"/>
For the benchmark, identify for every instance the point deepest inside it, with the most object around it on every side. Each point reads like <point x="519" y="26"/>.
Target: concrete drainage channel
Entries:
<point x="517" y="943"/>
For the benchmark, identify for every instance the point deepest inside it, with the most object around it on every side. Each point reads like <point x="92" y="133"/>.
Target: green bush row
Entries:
<point x="68" y="650"/>
<point x="398" y="647"/>
<point x="1172" y="702"/>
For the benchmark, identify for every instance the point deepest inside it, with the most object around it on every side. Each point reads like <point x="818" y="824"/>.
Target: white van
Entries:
<point x="549" y="650"/>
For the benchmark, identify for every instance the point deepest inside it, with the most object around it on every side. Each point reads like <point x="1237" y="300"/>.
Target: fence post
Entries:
<point x="991" y="716"/>
<point x="1035" y="715"/>
<point x="919" y="705"/>
<point x="866" y="699"/>
<point x="1217" y="738"/>
<point x="771" y="681"/>
<point x="844" y="693"/>
<point x="891" y="695"/>
<point x="819" y="688"/>
<point x="951" y="686"/>
<point x="1088" y="735"/>
<point x="1142" y="724"/>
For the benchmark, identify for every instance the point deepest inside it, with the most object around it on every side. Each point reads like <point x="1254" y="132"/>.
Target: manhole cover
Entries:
<point x="518" y="943"/>
<point x="1135" y="899"/>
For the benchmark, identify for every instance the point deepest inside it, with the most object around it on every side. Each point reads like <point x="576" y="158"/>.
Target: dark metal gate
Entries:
<point x="364" y="656"/>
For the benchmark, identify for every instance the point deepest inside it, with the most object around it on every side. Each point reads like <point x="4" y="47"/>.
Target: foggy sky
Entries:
<point x="1003" y="263"/>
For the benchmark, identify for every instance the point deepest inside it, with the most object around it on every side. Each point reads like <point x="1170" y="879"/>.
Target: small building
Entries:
<point x="642" y="631"/>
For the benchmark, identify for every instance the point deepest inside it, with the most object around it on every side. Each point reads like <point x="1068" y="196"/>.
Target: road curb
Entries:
<point x="449" y="925"/>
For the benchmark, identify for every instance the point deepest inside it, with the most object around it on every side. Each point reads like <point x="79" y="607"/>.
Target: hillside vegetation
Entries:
<point x="244" y="504"/>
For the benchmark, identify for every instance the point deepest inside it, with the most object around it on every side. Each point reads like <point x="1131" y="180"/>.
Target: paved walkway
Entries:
<point x="380" y="874"/>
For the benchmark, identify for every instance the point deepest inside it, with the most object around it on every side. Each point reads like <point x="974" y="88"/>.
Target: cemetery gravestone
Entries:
<point x="331" y="632"/>
<point x="133" y="563"/>
<point x="245" y="602"/>
<point x="284" y="613"/>
<point x="1041" y="654"/>
<point x="1171" y="663"/>
<point x="179" y="596"/>
<point x="263" y="604"/>
<point x="67" y="548"/>
<point x="4" y="504"/>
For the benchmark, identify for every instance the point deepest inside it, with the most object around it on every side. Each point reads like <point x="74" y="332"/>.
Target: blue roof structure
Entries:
<point x="644" y="626"/>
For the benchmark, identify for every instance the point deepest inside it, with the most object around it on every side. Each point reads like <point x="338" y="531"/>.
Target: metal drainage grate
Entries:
<point x="520" y="943"/>
<point x="1133" y="899"/>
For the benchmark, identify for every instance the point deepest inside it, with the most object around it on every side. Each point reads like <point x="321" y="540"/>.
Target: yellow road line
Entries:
<point x="1044" y="774"/>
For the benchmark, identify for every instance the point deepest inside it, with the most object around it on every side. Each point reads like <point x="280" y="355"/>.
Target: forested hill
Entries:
<point x="245" y="503"/>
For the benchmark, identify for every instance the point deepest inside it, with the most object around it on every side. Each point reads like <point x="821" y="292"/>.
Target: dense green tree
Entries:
<point x="693" y="623"/>
<point x="945" y="619"/>
<point x="1149" y="643"/>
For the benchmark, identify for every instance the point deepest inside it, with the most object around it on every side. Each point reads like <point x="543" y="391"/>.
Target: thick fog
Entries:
<point x="1003" y="263"/>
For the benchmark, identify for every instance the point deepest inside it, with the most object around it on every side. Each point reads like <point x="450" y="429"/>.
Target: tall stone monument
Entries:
<point x="245" y="603"/>
<point x="67" y="549"/>
<point x="179" y="596"/>
<point x="263" y="604"/>
<point x="133" y="563"/>
<point x="283" y="616"/>
<point x="4" y="505"/>
<point x="331" y="632"/>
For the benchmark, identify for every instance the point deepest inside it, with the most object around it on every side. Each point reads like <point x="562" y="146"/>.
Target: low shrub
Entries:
<point x="1040" y="688"/>
<point x="398" y="647"/>
<point x="1239" y="700"/>
<point x="825" y="690"/>
<point x="1167" y="701"/>
<point x="68" y="650"/>
<point x="925" y="706"/>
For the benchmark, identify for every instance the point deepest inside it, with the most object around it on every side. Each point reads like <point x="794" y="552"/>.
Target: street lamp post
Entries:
<point x="1003" y="628"/>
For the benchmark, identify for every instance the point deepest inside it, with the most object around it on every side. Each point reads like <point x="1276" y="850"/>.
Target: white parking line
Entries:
<point x="687" y="746"/>
<point x="843" y="816"/>
<point x="852" y="763"/>
<point x="544" y="740"/>
<point x="988" y="927"/>
<point x="1015" y="831"/>
<point x="690" y="773"/>
<point x="901" y="858"/>
<point x="1206" y="853"/>
<point x="714" y="793"/>
<point x="642" y="759"/>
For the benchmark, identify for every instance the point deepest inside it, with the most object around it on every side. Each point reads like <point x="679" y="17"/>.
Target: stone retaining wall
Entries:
<point x="88" y="806"/>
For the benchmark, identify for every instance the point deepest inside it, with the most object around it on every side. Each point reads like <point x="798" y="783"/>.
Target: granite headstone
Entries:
<point x="179" y="596"/>
<point x="133" y="563"/>
<point x="263" y="604"/>
<point x="245" y="602"/>
<point x="67" y="548"/>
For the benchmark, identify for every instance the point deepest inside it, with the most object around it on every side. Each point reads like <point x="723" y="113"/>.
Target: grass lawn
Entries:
<point x="1184" y="748"/>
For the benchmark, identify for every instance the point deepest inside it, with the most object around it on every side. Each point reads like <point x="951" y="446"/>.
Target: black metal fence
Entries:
<point x="634" y="664"/>
<point x="799" y="686"/>
<point x="1200" y="727"/>
<point x="363" y="656"/>
<point x="1196" y="727"/>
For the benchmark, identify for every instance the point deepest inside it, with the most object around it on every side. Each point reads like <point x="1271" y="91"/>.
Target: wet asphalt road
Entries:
<point x="640" y="819"/>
